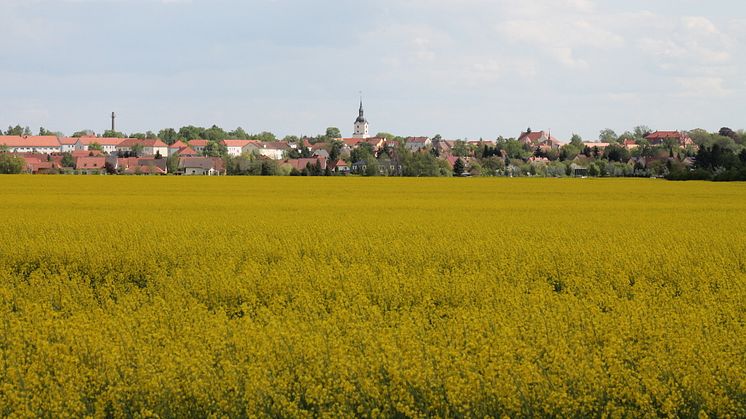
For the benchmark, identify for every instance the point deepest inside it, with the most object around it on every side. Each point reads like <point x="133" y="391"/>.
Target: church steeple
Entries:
<point x="361" y="124"/>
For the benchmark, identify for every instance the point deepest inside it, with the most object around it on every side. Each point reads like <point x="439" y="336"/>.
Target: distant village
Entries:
<point x="196" y="151"/>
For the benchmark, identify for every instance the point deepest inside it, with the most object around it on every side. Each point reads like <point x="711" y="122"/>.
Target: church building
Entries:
<point x="361" y="124"/>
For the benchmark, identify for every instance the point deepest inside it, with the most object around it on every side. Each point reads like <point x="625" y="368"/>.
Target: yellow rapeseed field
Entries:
<point x="338" y="297"/>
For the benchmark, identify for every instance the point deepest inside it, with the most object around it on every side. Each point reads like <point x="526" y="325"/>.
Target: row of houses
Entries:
<point x="278" y="150"/>
<point x="95" y="162"/>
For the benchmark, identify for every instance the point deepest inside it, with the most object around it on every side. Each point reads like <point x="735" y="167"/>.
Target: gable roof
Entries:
<point x="660" y="135"/>
<point x="236" y="143"/>
<point x="532" y="136"/>
<point x="187" y="151"/>
<point x="178" y="145"/>
<point x="205" y="163"/>
<point x="68" y="141"/>
<point x="108" y="141"/>
<point x="198" y="143"/>
<point x="29" y="141"/>
<point x="301" y="163"/>
<point x="90" y="163"/>
<point x="154" y="142"/>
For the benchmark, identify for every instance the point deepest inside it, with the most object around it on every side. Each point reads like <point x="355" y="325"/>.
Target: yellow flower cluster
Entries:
<point x="338" y="297"/>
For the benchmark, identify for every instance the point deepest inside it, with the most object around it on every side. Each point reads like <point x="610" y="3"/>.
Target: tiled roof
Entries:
<point x="154" y="143"/>
<point x="236" y="143"/>
<point x="68" y="141"/>
<point x="663" y="134"/>
<point x="198" y="143"/>
<point x="90" y="163"/>
<point x="187" y="151"/>
<point x="108" y="141"/>
<point x="30" y="141"/>
<point x="206" y="163"/>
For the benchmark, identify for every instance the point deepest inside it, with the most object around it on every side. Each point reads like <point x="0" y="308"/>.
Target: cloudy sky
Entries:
<point x="461" y="68"/>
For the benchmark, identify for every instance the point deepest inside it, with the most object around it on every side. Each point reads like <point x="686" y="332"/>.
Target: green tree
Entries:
<point x="15" y="130"/>
<point x="168" y="135"/>
<point x="264" y="136"/>
<point x="269" y="168"/>
<point x="333" y="132"/>
<point x="362" y="153"/>
<point x="371" y="167"/>
<point x="137" y="150"/>
<point x="191" y="132"/>
<point x="386" y="135"/>
<point x="460" y="149"/>
<point x="67" y="160"/>
<point x="459" y="167"/>
<point x="83" y="133"/>
<point x="335" y="150"/>
<point x="215" y="149"/>
<point x="94" y="146"/>
<point x="617" y="153"/>
<point x="577" y="141"/>
<point x="11" y="164"/>
<point x="608" y="136"/>
<point x="215" y="134"/>
<point x="112" y="134"/>
<point x="172" y="163"/>
<point x="238" y="134"/>
<point x="641" y="131"/>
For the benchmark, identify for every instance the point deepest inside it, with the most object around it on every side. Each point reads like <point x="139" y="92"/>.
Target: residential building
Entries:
<point x="31" y="144"/>
<point x="275" y="150"/>
<point x="235" y="147"/>
<point x="660" y="138"/>
<point x="90" y="165"/>
<point x="340" y="166"/>
<point x="198" y="145"/>
<point x="302" y="163"/>
<point x="415" y="144"/>
<point x="542" y="139"/>
<point x="176" y="147"/>
<point x="154" y="147"/>
<point x="201" y="166"/>
<point x="108" y="145"/>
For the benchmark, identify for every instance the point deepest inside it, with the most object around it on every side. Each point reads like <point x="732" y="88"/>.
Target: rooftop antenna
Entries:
<point x="113" y="117"/>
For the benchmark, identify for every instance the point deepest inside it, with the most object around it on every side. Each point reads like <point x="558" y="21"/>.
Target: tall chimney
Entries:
<point x="113" y="116"/>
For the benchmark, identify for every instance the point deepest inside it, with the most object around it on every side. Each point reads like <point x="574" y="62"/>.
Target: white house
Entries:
<point x="235" y="147"/>
<point x="201" y="166"/>
<point x="108" y="145"/>
<point x="198" y="145"/>
<point x="67" y="144"/>
<point x="176" y="147"/>
<point x="154" y="147"/>
<point x="274" y="150"/>
<point x="149" y="147"/>
<point x="31" y="144"/>
<point x="417" y="143"/>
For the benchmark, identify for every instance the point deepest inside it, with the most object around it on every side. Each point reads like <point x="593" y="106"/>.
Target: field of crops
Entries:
<point x="183" y="297"/>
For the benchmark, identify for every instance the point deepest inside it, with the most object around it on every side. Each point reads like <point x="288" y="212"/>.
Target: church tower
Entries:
<point x="361" y="124"/>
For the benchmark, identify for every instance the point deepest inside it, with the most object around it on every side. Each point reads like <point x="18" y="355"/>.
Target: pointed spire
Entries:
<point x="361" y="104"/>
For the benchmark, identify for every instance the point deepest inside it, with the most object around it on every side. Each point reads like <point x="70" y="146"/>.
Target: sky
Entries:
<point x="460" y="68"/>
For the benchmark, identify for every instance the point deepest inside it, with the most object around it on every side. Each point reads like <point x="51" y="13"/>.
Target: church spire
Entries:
<point x="361" y="124"/>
